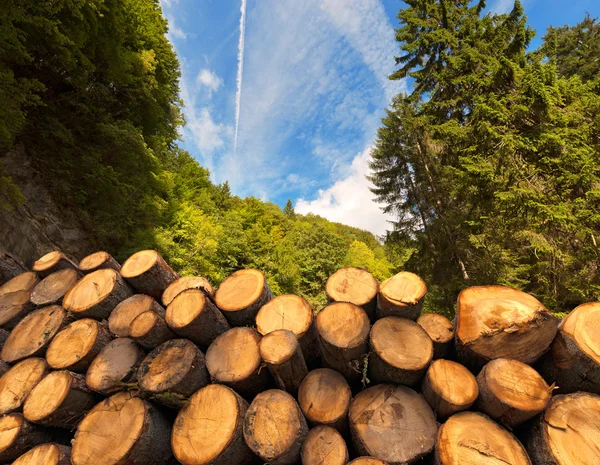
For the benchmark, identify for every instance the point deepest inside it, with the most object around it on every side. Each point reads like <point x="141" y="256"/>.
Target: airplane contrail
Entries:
<point x="240" y="73"/>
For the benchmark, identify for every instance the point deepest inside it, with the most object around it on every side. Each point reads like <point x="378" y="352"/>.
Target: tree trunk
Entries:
<point x="441" y="331"/>
<point x="343" y="330"/>
<point x="182" y="284"/>
<point x="54" y="261"/>
<point x="324" y="446"/>
<point x="22" y="282"/>
<point x="148" y="273"/>
<point x="209" y="429"/>
<point x="17" y="436"/>
<point x="120" y="319"/>
<point x="122" y="429"/>
<point x="449" y="388"/>
<point x="13" y="307"/>
<point x="172" y="372"/>
<point x="234" y="359"/>
<point x="573" y="362"/>
<point x="511" y="392"/>
<point x="115" y="365"/>
<point x="33" y="334"/>
<point x="392" y="423"/>
<point x="97" y="261"/>
<point x="46" y="454"/>
<point x="60" y="399"/>
<point x="401" y="351"/>
<point x="241" y="296"/>
<point x="401" y="295"/>
<point x="324" y="397"/>
<point x="356" y="286"/>
<point x="97" y="294"/>
<point x="282" y="354"/>
<point x="77" y="345"/>
<point x="17" y="383"/>
<point x="293" y="313"/>
<point x="501" y="322"/>
<point x="193" y="315"/>
<point x="150" y="330"/>
<point x="274" y="427"/>
<point x="53" y="288"/>
<point x="568" y="432"/>
<point x="471" y="438"/>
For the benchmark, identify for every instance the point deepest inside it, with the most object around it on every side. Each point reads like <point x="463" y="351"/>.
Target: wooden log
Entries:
<point x="148" y="273"/>
<point x="172" y="372"/>
<point x="392" y="423"/>
<point x="234" y="359"/>
<point x="401" y="295"/>
<point x="343" y="330"/>
<point x="324" y="397"/>
<point x="120" y="319"/>
<point x="46" y="454"/>
<point x="122" y="429"/>
<point x="3" y="337"/>
<point x="17" y="436"/>
<point x="53" y="261"/>
<point x="53" y="287"/>
<point x="97" y="261"/>
<point x="22" y="282"/>
<point x="324" y="446"/>
<point x="367" y="461"/>
<point x="501" y="322"/>
<point x="31" y="336"/>
<point x="282" y="354"/>
<point x="241" y="295"/>
<point x="567" y="432"/>
<point x="573" y="362"/>
<point x="293" y="313"/>
<point x="274" y="427"/>
<point x="17" y="383"/>
<point x="441" y="331"/>
<point x="192" y="315"/>
<point x="150" y="330"/>
<point x="77" y="345"/>
<point x="470" y="438"/>
<point x="401" y="351"/>
<point x="60" y="399"/>
<point x="449" y="388"/>
<point x="116" y="364"/>
<point x="209" y="429"/>
<point x="13" y="307"/>
<point x="356" y="286"/>
<point x="511" y="392"/>
<point x="182" y="284"/>
<point x="97" y="294"/>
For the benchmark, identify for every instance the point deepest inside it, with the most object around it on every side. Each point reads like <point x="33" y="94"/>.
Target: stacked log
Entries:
<point x="282" y="354"/>
<point x="46" y="454"/>
<point x="17" y="436"/>
<point x="53" y="287"/>
<point x="148" y="273"/>
<point x="53" y="261"/>
<point x="182" y="284"/>
<point x="356" y="286"/>
<point x="441" y="331"/>
<point x="401" y="295"/>
<point x="121" y="317"/>
<point x="17" y="383"/>
<point x="324" y="446"/>
<point x="97" y="261"/>
<point x="22" y="282"/>
<point x="150" y="330"/>
<point x="13" y="307"/>
<point x="115" y="365"/>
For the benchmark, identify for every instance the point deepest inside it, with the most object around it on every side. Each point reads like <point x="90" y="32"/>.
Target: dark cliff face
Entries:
<point x="38" y="225"/>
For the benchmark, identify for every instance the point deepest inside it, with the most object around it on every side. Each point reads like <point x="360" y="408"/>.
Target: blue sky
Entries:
<point x="313" y="89"/>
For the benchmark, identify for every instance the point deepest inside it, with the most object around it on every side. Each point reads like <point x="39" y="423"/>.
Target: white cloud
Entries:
<point x="349" y="200"/>
<point x="502" y="6"/>
<point x="209" y="79"/>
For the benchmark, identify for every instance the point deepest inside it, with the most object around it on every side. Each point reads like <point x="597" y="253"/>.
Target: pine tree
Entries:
<point x="288" y="210"/>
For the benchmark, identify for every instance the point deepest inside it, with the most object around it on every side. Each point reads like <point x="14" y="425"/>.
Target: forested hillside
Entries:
<point x="90" y="90"/>
<point x="493" y="160"/>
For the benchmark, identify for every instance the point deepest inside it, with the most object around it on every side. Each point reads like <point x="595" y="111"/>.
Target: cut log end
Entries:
<point x="120" y="319"/>
<point x="282" y="354"/>
<point x="241" y="295"/>
<point x="53" y="288"/>
<point x="53" y="261"/>
<point x="17" y="383"/>
<point x="367" y="461"/>
<point x="324" y="446"/>
<point x="378" y="413"/>
<point x="182" y="284"/>
<point x="441" y="331"/>
<point x="274" y="427"/>
<point x="208" y="429"/>
<point x="150" y="330"/>
<point x="13" y="307"/>
<point x="469" y="438"/>
<point x="22" y="282"/>
<point x="97" y="261"/>
<point x="148" y="272"/>
<point x="401" y="295"/>
<point x="17" y="436"/>
<point x="46" y="454"/>
<point x="449" y="388"/>
<point x="353" y="285"/>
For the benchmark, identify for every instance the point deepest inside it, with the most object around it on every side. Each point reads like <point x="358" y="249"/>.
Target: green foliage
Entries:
<point x="493" y="162"/>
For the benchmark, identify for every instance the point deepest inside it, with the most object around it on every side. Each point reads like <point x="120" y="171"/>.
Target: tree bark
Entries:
<point x="150" y="330"/>
<point x="17" y="383"/>
<point x="46" y="454"/>
<point x="18" y="436"/>
<point x="401" y="295"/>
<point x="282" y="354"/>
<point x="241" y="296"/>
<point x="343" y="330"/>
<point x="274" y="427"/>
<point x="97" y="261"/>
<point x="148" y="273"/>
<point x="356" y="286"/>
<point x="441" y="331"/>
<point x="54" y="261"/>
<point x="53" y="287"/>
<point x="324" y="446"/>
<point x="379" y="413"/>
<point x="182" y="284"/>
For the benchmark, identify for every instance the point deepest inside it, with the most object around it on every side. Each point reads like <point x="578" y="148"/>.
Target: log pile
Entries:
<point x="104" y="364"/>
